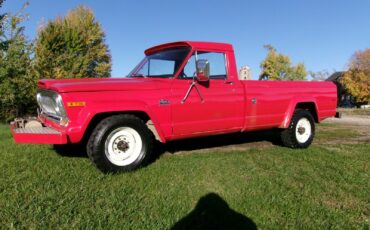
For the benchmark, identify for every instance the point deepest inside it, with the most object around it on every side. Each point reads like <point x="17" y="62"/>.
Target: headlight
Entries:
<point x="51" y="105"/>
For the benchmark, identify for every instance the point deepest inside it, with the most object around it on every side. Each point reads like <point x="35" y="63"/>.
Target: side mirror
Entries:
<point x="202" y="66"/>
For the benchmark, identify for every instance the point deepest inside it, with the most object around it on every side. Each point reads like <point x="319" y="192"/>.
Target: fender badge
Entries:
<point x="164" y="102"/>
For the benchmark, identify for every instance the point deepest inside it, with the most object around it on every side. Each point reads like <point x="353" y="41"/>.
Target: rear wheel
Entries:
<point x="120" y="143"/>
<point x="301" y="130"/>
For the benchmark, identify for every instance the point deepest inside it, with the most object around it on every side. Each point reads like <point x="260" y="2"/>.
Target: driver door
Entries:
<point x="217" y="108"/>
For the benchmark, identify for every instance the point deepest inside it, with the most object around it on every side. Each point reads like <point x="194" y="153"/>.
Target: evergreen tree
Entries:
<point x="72" y="47"/>
<point x="279" y="67"/>
<point x="17" y="84"/>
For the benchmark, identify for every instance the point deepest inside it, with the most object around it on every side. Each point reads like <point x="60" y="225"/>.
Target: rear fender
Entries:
<point x="291" y="108"/>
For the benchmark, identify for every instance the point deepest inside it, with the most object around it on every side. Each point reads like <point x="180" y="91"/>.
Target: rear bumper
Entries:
<point x="39" y="135"/>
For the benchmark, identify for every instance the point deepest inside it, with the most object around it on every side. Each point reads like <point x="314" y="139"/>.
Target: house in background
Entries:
<point x="345" y="99"/>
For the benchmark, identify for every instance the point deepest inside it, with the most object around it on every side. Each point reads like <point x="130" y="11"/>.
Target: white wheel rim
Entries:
<point x="123" y="146"/>
<point x="303" y="130"/>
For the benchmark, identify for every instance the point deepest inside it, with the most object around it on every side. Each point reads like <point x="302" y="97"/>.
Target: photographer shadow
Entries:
<point x="212" y="212"/>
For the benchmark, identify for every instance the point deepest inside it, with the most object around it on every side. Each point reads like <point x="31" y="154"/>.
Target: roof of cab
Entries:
<point x="193" y="44"/>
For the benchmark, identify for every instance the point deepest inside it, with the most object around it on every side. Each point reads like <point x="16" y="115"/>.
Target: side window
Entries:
<point x="216" y="61"/>
<point x="216" y="64"/>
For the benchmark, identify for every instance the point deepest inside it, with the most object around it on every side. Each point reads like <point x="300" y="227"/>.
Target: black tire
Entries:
<point x="291" y="138"/>
<point x="102" y="147"/>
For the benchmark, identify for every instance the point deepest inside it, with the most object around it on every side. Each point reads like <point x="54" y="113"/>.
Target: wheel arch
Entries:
<point x="143" y="115"/>
<point x="311" y="107"/>
<point x="308" y="104"/>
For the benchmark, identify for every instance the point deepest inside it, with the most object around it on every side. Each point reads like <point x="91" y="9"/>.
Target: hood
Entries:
<point x="100" y="84"/>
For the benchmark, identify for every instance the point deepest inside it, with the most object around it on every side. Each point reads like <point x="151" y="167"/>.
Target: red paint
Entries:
<point x="227" y="106"/>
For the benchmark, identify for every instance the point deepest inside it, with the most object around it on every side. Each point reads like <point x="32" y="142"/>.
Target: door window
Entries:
<point x="216" y="61"/>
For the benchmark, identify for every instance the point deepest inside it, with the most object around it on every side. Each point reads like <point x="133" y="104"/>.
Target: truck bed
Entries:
<point x="269" y="103"/>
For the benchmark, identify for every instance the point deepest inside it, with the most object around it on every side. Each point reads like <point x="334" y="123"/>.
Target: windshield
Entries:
<point x="162" y="64"/>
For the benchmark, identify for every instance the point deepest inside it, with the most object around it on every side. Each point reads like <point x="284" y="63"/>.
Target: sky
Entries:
<point x="323" y="34"/>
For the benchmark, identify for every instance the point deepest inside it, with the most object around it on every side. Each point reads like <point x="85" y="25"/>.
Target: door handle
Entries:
<point x="229" y="82"/>
<point x="254" y="100"/>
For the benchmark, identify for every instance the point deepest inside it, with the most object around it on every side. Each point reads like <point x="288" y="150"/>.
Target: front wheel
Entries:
<point x="301" y="130"/>
<point x="120" y="143"/>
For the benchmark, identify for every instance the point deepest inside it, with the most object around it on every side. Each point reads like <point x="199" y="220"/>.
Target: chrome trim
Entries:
<point x="51" y="105"/>
<point x="254" y="100"/>
<point x="38" y="130"/>
<point x="164" y="102"/>
<point x="192" y="85"/>
<point x="52" y="117"/>
<point x="226" y="62"/>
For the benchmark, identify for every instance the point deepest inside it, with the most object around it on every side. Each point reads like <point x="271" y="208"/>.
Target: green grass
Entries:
<point x="322" y="187"/>
<point x="327" y="132"/>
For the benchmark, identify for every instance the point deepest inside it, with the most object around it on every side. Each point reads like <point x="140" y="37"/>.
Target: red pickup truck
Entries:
<point x="179" y="90"/>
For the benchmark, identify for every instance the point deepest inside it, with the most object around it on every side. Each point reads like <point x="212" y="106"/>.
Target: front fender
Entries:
<point x="86" y="115"/>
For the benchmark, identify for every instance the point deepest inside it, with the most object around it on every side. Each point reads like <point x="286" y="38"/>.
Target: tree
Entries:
<point x="357" y="79"/>
<point x="2" y="21"/>
<point x="17" y="84"/>
<point x="279" y="67"/>
<point x="319" y="75"/>
<point x="2" y="16"/>
<point x="72" y="47"/>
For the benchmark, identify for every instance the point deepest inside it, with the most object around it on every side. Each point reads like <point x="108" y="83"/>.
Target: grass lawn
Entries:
<point x="323" y="187"/>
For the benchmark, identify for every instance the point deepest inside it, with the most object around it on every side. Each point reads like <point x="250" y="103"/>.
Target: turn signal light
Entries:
<point x="76" y="104"/>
